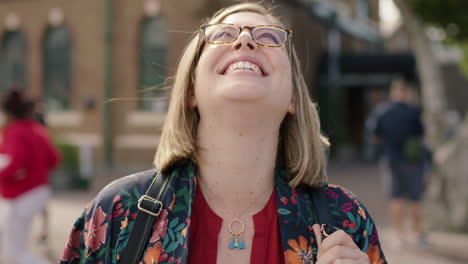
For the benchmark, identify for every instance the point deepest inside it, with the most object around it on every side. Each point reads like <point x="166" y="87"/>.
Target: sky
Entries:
<point x="389" y="16"/>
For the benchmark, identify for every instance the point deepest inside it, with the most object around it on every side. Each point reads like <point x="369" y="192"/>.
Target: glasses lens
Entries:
<point x="218" y="34"/>
<point x="269" y="36"/>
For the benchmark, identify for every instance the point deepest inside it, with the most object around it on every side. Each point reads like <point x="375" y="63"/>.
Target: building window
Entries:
<point x="13" y="61"/>
<point x="153" y="64"/>
<point x="363" y="9"/>
<point x="57" y="68"/>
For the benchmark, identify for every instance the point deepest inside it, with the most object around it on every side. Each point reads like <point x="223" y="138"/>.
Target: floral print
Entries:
<point x="95" y="230"/>
<point x="73" y="242"/>
<point x="374" y="255"/>
<point x="153" y="254"/>
<point x="160" y="227"/>
<point x="101" y="234"/>
<point x="300" y="252"/>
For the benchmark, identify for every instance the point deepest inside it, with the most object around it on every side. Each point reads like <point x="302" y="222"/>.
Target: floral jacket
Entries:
<point x="101" y="233"/>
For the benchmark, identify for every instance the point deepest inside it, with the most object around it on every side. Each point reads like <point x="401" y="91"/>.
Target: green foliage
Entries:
<point x="70" y="157"/>
<point x="70" y="152"/>
<point x="450" y="15"/>
<point x="464" y="61"/>
<point x="67" y="175"/>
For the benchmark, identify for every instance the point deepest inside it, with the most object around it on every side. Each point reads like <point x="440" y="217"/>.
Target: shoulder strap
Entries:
<point x="149" y="206"/>
<point x="322" y="211"/>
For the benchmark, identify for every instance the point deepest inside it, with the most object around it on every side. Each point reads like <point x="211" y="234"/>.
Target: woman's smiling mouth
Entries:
<point x="244" y="64"/>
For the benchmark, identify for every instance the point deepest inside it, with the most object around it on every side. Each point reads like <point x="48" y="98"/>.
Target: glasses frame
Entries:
<point x="289" y="33"/>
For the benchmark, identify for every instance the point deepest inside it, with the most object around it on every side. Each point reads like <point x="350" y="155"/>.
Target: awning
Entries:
<point x="403" y="64"/>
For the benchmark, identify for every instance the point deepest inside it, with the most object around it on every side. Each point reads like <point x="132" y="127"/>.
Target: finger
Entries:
<point x="338" y="238"/>
<point x="318" y="234"/>
<point x="346" y="261"/>
<point x="364" y="258"/>
<point x="339" y="252"/>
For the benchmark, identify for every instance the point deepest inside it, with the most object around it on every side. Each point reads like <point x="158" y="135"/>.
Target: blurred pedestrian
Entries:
<point x="28" y="155"/>
<point x="398" y="126"/>
<point x="38" y="111"/>
<point x="38" y="115"/>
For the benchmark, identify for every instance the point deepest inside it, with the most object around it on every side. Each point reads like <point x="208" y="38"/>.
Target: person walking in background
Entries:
<point x="38" y="115"/>
<point x="38" y="111"/>
<point x="397" y="125"/>
<point x="27" y="156"/>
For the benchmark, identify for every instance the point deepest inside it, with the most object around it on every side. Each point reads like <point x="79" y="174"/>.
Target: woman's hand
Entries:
<point x="338" y="248"/>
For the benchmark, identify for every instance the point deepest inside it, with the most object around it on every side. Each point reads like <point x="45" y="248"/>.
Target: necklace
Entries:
<point x="236" y="226"/>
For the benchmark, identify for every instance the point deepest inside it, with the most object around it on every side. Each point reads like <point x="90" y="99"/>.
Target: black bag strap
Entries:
<point x="322" y="211"/>
<point x="149" y="206"/>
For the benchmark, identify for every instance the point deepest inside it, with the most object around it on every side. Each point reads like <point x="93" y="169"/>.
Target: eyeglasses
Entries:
<point x="265" y="36"/>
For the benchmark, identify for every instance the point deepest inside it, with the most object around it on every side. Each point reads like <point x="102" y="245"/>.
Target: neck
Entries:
<point x="237" y="161"/>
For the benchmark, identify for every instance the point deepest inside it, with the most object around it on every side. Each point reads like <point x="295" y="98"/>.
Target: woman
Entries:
<point x="27" y="156"/>
<point x="242" y="142"/>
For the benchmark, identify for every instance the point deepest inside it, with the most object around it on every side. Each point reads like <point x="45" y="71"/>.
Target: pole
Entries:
<point x="107" y="114"/>
<point x="335" y="110"/>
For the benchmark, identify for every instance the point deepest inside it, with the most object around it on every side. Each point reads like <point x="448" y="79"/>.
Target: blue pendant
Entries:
<point x="236" y="237"/>
<point x="236" y="243"/>
<point x="231" y="244"/>
<point x="241" y="244"/>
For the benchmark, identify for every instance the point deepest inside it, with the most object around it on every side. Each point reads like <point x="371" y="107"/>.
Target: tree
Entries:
<point x="446" y="197"/>
<point x="449" y="15"/>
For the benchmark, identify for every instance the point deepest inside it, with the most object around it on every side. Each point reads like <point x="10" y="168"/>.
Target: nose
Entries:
<point x="245" y="39"/>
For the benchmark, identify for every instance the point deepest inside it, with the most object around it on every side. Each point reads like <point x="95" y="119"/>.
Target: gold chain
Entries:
<point x="237" y="239"/>
<point x="230" y="210"/>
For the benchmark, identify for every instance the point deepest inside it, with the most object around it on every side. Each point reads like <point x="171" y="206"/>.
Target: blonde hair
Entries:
<point x="301" y="145"/>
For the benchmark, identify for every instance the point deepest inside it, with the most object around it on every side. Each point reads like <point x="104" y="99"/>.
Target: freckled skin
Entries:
<point x="265" y="101"/>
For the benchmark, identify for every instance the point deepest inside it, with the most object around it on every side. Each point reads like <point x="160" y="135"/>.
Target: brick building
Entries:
<point x="76" y="55"/>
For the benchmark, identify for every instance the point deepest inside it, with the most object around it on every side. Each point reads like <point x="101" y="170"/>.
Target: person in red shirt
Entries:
<point x="27" y="155"/>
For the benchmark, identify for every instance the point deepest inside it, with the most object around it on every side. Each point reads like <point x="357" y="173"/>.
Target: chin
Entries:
<point x="244" y="91"/>
<point x="243" y="97"/>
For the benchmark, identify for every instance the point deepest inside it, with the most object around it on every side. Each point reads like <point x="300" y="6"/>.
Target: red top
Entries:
<point x="206" y="224"/>
<point x="31" y="156"/>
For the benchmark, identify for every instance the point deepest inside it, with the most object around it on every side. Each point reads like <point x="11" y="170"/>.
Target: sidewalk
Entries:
<point x="445" y="248"/>
<point x="365" y="181"/>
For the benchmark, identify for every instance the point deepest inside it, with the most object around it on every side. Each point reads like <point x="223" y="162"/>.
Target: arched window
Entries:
<point x="57" y="68"/>
<point x="13" y="61"/>
<point x="153" y="63"/>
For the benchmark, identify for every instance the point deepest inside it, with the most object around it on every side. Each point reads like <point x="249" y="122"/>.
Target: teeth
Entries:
<point x="243" y="66"/>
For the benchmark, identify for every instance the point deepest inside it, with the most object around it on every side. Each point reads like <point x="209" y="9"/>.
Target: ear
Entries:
<point x="192" y="100"/>
<point x="292" y="105"/>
